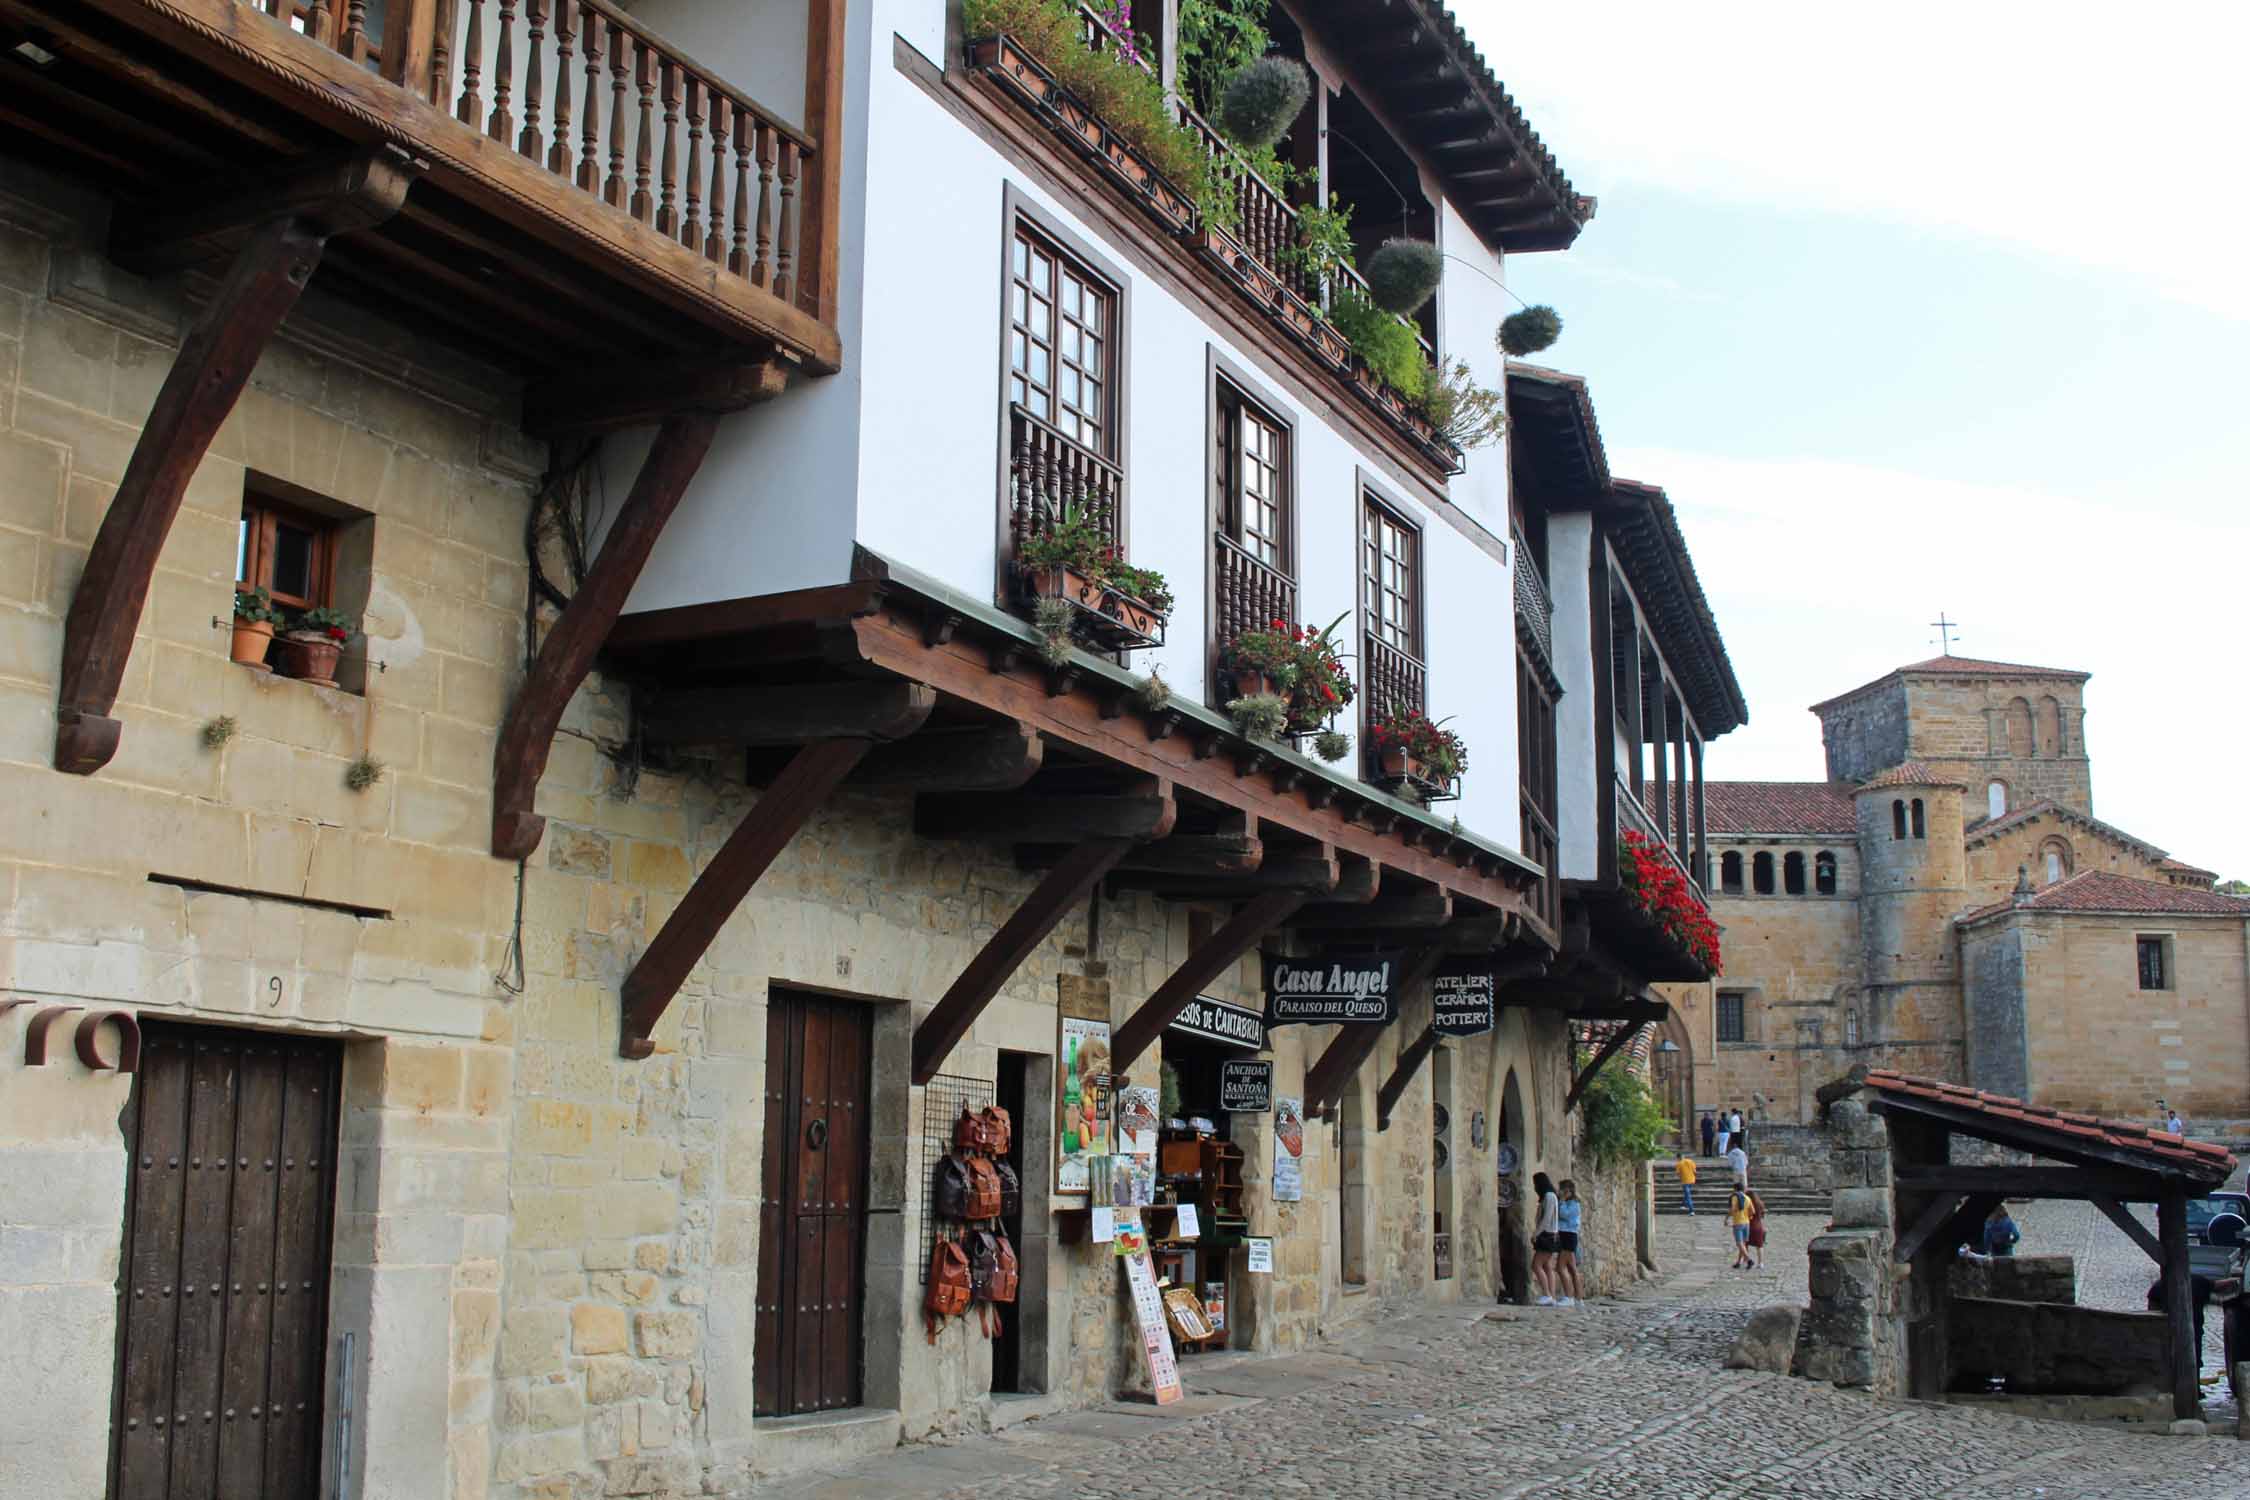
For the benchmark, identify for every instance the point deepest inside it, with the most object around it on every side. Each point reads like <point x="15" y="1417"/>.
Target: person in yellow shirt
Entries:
<point x="1739" y="1208"/>
<point x="1685" y="1166"/>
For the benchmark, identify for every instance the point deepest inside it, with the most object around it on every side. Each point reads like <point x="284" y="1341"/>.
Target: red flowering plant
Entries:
<point x="1443" y="754"/>
<point x="320" y="620"/>
<point x="1078" y="542"/>
<point x="1302" y="665"/>
<point x="1646" y="869"/>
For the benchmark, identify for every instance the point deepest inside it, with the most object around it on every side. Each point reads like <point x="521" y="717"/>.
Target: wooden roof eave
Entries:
<point x="2039" y="1140"/>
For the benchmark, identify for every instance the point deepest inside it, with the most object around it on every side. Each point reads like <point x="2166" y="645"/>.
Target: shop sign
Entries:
<point x="1148" y="1317"/>
<point x="1288" y="1149"/>
<point x="1463" y="994"/>
<point x="1245" y="1086"/>
<point x="1326" y="991"/>
<point x="1216" y="1021"/>
<point x="1260" y="1256"/>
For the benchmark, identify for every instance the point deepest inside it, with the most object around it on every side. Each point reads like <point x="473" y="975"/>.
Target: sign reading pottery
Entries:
<point x="1216" y="1021"/>
<point x="1463" y="994"/>
<point x="1362" y="988"/>
<point x="1245" y="1086"/>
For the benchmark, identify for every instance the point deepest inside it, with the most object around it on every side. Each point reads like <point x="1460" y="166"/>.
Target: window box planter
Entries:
<point x="310" y="655"/>
<point x="1408" y="776"/>
<point x="1020" y="75"/>
<point x="252" y="640"/>
<point x="1113" y="620"/>
<point x="1223" y="250"/>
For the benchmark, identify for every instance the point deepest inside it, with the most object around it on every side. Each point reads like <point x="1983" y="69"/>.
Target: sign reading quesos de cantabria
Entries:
<point x="1245" y="1086"/>
<point x="1463" y="995"/>
<point x="1217" y="1021"/>
<point x="1362" y="987"/>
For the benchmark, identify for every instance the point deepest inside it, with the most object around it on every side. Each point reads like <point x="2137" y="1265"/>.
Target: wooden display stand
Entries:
<point x="1207" y="1172"/>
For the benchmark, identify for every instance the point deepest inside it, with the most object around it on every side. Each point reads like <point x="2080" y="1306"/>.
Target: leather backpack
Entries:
<point x="950" y="1190"/>
<point x="999" y="1130"/>
<point x="984" y="1189"/>
<point x="1011" y="1190"/>
<point x="971" y="1135"/>
<point x="998" y="1283"/>
<point x="949" y="1293"/>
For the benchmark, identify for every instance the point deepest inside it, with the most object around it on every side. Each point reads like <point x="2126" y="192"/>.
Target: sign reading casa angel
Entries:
<point x="1324" y="991"/>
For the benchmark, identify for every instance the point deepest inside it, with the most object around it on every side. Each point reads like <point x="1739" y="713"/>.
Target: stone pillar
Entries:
<point x="1852" y="1337"/>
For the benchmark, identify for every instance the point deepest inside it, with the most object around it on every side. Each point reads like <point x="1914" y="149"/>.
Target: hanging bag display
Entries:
<point x="950" y="1188"/>
<point x="949" y="1293"/>
<point x="971" y="1136"/>
<point x="999" y="1131"/>
<point x="1001" y="1281"/>
<point x="1011" y="1190"/>
<point x="984" y="1189"/>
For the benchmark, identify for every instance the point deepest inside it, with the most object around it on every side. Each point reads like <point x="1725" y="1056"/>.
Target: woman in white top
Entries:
<point x="1543" y="1243"/>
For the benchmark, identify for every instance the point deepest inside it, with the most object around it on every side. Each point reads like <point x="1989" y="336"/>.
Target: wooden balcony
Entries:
<point x="581" y="188"/>
<point x="1246" y="594"/>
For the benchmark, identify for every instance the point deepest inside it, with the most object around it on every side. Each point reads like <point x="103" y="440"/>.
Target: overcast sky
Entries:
<point x="1927" y="308"/>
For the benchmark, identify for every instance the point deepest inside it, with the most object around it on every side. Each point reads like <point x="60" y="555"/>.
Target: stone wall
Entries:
<point x="1994" y="860"/>
<point x="1854" y="1334"/>
<point x="2044" y="1348"/>
<point x="1996" y="1019"/>
<point x="2027" y="731"/>
<point x="1618" y="1202"/>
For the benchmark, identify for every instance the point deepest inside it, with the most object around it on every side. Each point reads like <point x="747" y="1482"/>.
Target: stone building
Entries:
<point x="515" y="1069"/>
<point x="1946" y="904"/>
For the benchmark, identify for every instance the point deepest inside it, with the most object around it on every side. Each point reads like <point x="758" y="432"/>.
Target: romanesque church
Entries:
<point x="1947" y="903"/>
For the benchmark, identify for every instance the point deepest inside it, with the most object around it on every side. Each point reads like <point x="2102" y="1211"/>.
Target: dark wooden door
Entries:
<point x="223" y="1292"/>
<point x="812" y="1229"/>
<point x="1007" y="1344"/>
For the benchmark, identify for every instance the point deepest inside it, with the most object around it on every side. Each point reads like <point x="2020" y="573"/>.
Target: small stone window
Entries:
<point x="1824" y="873"/>
<point x="1851" y="1028"/>
<point x="1793" y="873"/>
<point x="1996" y="799"/>
<point x="2154" y="954"/>
<point x="1918" y="831"/>
<point x="2055" y="856"/>
<point x="284" y="549"/>
<point x="1730" y="1015"/>
<point x="1730" y="872"/>
<point x="1898" y="819"/>
<point x="1761" y="873"/>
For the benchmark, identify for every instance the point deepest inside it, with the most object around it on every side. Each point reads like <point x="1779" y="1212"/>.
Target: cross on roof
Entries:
<point x="1945" y="629"/>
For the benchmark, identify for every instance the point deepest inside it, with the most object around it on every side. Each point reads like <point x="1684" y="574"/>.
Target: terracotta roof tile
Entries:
<point x="2161" y="1148"/>
<point x="1913" y="773"/>
<point x="2099" y="891"/>
<point x="1779" y="807"/>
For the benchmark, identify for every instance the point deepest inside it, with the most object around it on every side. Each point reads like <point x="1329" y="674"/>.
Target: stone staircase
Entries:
<point x="1715" y="1180"/>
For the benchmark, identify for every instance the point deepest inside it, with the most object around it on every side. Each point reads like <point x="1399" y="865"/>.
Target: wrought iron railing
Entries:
<point x="1535" y="608"/>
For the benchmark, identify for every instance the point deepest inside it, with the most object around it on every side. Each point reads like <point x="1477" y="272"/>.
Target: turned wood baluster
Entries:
<point x="613" y="192"/>
<point x="441" y="55"/>
<point x="644" y="79"/>
<point x="691" y="227"/>
<point x="738" y="259"/>
<point x="503" y="123"/>
<point x="558" y="155"/>
<point x="590" y="156"/>
<point x="715" y="243"/>
<point x="761" y="270"/>
<point x="355" y="31"/>
<point x="785" y="232"/>
<point x="316" y="23"/>
<point x="534" y="80"/>
<point x="668" y="203"/>
<point x="472" y="67"/>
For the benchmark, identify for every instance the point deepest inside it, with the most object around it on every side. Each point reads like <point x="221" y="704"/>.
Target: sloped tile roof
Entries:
<point x="1779" y="807"/>
<point x="1990" y="828"/>
<point x="2160" y="1148"/>
<point x="1913" y="773"/>
<point x="1958" y="666"/>
<point x="2101" y="891"/>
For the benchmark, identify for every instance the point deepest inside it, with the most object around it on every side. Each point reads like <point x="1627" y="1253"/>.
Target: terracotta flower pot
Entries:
<point x="310" y="655"/>
<point x="1250" y="682"/>
<point x="252" y="639"/>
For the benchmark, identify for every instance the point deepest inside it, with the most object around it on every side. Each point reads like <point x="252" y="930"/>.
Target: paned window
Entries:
<point x="1253" y="462"/>
<point x="1390" y="580"/>
<point x="288" y="552"/>
<point x="1730" y="1015"/>
<point x="2154" y="954"/>
<point x="1061" y="343"/>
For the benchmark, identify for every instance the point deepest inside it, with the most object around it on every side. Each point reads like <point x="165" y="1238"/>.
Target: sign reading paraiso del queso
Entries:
<point x="1323" y="991"/>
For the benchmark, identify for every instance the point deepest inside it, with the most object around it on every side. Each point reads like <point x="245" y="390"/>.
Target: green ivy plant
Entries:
<point x="1218" y="39"/>
<point x="1388" y="346"/>
<point x="1624" y="1122"/>
<point x="1324" y="239"/>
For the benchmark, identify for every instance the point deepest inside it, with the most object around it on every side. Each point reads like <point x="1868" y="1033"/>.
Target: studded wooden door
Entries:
<point x="812" y="1222"/>
<point x="223" y="1291"/>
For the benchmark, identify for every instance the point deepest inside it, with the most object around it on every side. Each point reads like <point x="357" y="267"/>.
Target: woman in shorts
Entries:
<point x="1739" y="1207"/>
<point x="1568" y="1215"/>
<point x="1543" y="1238"/>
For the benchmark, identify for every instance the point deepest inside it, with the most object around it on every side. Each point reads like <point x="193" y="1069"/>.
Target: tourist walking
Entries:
<point x="1569" y="1213"/>
<point x="1710" y="1127"/>
<point x="1686" y="1168"/>
<point x="1739" y="1159"/>
<point x="1543" y="1238"/>
<point x="1756" y="1238"/>
<point x="2175" y="1124"/>
<point x="1739" y="1130"/>
<point x="1726" y="1128"/>
<point x="2000" y="1232"/>
<point x="1738" y="1224"/>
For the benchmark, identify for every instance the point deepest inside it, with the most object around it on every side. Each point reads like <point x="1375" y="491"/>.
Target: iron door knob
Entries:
<point x="816" y="1134"/>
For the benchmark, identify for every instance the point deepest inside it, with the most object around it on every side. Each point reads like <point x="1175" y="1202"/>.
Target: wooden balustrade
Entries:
<point x="1542" y="843"/>
<point x="1248" y="595"/>
<point x="710" y="167"/>
<point x="1051" y="476"/>
<point x="1393" y="682"/>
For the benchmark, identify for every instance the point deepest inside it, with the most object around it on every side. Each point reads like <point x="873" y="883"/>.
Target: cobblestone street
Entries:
<point x="1623" y="1397"/>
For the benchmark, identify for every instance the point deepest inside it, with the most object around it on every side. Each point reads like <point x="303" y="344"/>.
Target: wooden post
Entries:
<point x="794" y="796"/>
<point x="1258" y="916"/>
<point x="2179" y="1303"/>
<point x="410" y="32"/>
<point x="824" y="121"/>
<point x="520" y="756"/>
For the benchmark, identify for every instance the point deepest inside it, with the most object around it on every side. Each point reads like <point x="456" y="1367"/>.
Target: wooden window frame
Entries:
<point x="1741" y="1004"/>
<point x="2162" y="944"/>
<point x="1373" y="498"/>
<point x="262" y="508"/>
<point x="1233" y="402"/>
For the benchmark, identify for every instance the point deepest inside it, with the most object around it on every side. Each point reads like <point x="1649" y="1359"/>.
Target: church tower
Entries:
<point x="1913" y="879"/>
<point x="2010" y="734"/>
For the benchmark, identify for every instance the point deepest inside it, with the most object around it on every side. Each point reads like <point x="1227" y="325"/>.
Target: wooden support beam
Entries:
<point x="519" y="757"/>
<point x="795" y="795"/>
<point x="2179" y="1303"/>
<point x="1934" y="1216"/>
<point x="267" y="277"/>
<point x="1352" y="1045"/>
<point x="1146" y="813"/>
<point x="1358" y="881"/>
<point x="1199" y="854"/>
<point x="968" y="760"/>
<point x="787" y="714"/>
<point x="1067" y="884"/>
<point x="1426" y="907"/>
<point x="2034" y="1182"/>
<point x="1609" y="1049"/>
<point x="2135" y="1230"/>
<point x="206" y="223"/>
<point x="1409" y="1063"/>
<point x="1217" y="953"/>
<point x="641" y="393"/>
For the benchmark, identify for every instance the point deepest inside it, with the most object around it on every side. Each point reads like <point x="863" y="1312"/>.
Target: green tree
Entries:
<point x="1623" y="1120"/>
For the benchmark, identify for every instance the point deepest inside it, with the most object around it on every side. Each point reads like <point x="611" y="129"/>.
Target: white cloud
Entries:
<point x="1824" y="574"/>
<point x="2100" y="136"/>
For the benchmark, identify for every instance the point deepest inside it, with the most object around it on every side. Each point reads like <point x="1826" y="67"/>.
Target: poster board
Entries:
<point x="1288" y="1149"/>
<point x="1081" y="1107"/>
<point x="1150" y="1319"/>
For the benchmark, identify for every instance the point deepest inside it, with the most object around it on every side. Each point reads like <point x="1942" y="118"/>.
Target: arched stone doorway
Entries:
<point x="1672" y="1074"/>
<point x="1513" y="1148"/>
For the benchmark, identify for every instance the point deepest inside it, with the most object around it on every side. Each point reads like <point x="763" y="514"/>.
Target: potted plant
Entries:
<point x="1412" y="749"/>
<point x="1076" y="561"/>
<point x="1264" y="660"/>
<point x="1299" y="666"/>
<point x="313" y="643"/>
<point x="254" y="619"/>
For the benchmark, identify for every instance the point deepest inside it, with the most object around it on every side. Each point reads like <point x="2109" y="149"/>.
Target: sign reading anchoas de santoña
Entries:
<point x="1246" y="1086"/>
<point x="1217" y="1021"/>
<point x="1360" y="987"/>
<point x="1464" y="994"/>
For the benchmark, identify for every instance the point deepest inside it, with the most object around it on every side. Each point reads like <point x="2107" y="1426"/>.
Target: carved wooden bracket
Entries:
<point x="1618" y="1040"/>
<point x="1258" y="916"/>
<point x="288" y="228"/>
<point x="1409" y="1063"/>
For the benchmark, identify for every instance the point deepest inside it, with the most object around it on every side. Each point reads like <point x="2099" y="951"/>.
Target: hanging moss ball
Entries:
<point x="1530" y="331"/>
<point x="1261" y="102"/>
<point x="1402" y="274"/>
